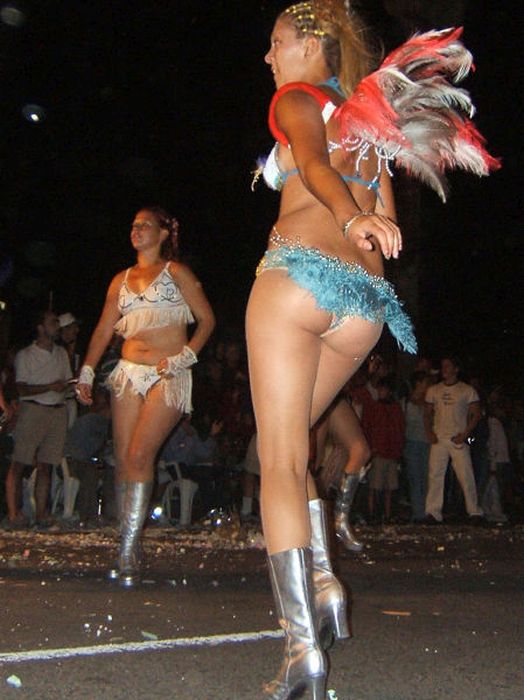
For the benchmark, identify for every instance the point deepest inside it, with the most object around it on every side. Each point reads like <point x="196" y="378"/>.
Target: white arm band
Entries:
<point x="87" y="375"/>
<point x="185" y="358"/>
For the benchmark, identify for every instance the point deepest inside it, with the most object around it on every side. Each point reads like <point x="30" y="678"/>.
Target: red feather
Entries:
<point x="411" y="111"/>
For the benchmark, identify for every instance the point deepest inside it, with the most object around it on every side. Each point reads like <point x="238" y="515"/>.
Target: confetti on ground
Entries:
<point x="148" y="635"/>
<point x="397" y="613"/>
<point x="14" y="681"/>
<point x="93" y="550"/>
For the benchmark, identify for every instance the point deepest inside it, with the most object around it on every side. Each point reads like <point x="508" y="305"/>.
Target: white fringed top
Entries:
<point x="160" y="304"/>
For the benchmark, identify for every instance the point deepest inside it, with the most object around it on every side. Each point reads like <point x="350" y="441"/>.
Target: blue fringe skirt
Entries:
<point x="344" y="289"/>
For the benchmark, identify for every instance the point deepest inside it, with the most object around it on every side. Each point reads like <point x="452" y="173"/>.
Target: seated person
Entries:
<point x="85" y="442"/>
<point x="196" y="457"/>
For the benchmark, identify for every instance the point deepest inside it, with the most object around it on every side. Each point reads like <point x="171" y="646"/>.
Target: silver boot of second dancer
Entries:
<point x="330" y="596"/>
<point x="120" y="493"/>
<point x="304" y="663"/>
<point x="135" y="509"/>
<point x="345" y="498"/>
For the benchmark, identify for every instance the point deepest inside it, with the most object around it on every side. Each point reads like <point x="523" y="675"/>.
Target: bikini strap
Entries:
<point x="317" y="93"/>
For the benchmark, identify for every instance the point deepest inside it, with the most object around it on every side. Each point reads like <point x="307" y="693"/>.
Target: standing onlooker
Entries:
<point x="416" y="448"/>
<point x="69" y="330"/>
<point x="6" y="413"/>
<point x="451" y="414"/>
<point x="500" y="473"/>
<point x="42" y="374"/>
<point x="6" y="409"/>
<point x="383" y="424"/>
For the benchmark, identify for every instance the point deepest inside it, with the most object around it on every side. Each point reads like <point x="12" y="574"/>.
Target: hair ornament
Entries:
<point x="305" y="18"/>
<point x="174" y="226"/>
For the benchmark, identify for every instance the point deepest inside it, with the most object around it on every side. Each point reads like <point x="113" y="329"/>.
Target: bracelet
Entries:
<point x="87" y="375"/>
<point x="345" y="228"/>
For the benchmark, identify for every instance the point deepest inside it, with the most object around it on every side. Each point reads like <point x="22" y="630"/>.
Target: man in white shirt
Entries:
<point x="42" y="374"/>
<point x="452" y="411"/>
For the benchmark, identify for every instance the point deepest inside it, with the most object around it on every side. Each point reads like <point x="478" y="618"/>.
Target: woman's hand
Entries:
<point x="383" y="230"/>
<point x="83" y="394"/>
<point x="169" y="366"/>
<point x="161" y="367"/>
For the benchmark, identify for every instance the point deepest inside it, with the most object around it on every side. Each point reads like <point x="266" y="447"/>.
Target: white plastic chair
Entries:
<point x="28" y="496"/>
<point x="64" y="490"/>
<point x="186" y="488"/>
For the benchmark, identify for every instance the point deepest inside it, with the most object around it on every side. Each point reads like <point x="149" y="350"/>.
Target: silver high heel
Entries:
<point x="120" y="494"/>
<point x="304" y="663"/>
<point x="135" y="508"/>
<point x="343" y="529"/>
<point x="330" y="595"/>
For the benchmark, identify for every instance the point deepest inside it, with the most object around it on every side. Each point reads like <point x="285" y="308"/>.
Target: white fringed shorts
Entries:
<point x="176" y="390"/>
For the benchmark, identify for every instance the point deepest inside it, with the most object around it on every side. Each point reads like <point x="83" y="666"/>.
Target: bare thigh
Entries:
<point x="283" y="327"/>
<point x="341" y="354"/>
<point x="142" y="424"/>
<point x="295" y="373"/>
<point x="125" y="413"/>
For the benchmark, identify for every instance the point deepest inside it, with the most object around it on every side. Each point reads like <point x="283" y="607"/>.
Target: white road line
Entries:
<point x="133" y="647"/>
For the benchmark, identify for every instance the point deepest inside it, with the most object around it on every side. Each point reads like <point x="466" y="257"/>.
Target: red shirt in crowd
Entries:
<point x="383" y="423"/>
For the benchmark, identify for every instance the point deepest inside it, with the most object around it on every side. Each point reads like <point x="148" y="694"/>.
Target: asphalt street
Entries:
<point x="437" y="615"/>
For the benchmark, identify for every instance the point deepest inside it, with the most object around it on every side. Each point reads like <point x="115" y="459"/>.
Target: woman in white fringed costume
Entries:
<point x="150" y="305"/>
<point x="319" y="301"/>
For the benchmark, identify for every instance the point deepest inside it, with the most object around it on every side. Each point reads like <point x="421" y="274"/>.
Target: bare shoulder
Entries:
<point x="119" y="277"/>
<point x="296" y="99"/>
<point x="116" y="283"/>
<point x="182" y="274"/>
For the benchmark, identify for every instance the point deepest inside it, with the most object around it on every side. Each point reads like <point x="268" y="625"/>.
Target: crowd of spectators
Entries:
<point x="209" y="446"/>
<point x="216" y="445"/>
<point x="444" y="446"/>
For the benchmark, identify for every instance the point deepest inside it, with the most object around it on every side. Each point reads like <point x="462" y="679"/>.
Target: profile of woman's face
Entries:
<point x="286" y="53"/>
<point x="145" y="231"/>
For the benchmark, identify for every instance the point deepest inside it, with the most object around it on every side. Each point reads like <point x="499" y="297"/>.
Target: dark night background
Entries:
<point x="166" y="102"/>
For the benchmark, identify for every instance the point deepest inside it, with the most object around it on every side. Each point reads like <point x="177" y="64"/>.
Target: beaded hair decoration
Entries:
<point x="305" y="19"/>
<point x="308" y="16"/>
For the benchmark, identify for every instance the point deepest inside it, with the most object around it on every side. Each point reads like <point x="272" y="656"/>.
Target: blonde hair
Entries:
<point x="342" y="34"/>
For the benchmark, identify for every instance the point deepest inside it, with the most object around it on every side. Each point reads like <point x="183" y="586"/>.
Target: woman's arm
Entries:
<point x="298" y="115"/>
<point x="386" y="204"/>
<point x="192" y="291"/>
<point x="101" y="336"/>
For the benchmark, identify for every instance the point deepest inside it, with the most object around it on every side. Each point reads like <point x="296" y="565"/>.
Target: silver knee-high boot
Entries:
<point x="135" y="508"/>
<point x="345" y="497"/>
<point x="304" y="663"/>
<point x="330" y="596"/>
<point x="120" y="494"/>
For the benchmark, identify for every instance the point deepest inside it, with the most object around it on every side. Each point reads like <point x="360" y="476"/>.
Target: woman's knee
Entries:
<point x="139" y="459"/>
<point x="361" y="453"/>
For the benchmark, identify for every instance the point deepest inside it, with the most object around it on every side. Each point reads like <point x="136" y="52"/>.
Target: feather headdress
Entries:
<point x="411" y="111"/>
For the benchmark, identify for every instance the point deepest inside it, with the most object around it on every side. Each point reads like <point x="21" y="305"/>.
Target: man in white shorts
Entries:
<point x="42" y="374"/>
